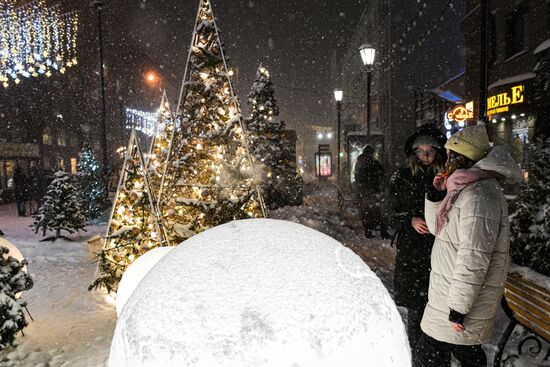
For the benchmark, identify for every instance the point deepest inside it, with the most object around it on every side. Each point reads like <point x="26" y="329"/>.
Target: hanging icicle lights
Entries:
<point x="35" y="40"/>
<point x="141" y="121"/>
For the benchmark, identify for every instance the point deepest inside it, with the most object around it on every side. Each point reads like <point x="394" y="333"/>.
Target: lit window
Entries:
<point x="61" y="137"/>
<point x="47" y="137"/>
<point x="73" y="166"/>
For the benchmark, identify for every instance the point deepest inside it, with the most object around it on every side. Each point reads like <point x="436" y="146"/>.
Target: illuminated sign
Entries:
<point x="502" y="101"/>
<point x="323" y="164"/>
<point x="460" y="113"/>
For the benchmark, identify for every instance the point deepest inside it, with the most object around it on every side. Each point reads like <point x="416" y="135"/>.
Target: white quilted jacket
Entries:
<point x="470" y="256"/>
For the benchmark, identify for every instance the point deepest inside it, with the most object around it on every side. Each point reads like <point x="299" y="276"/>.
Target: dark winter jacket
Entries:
<point x="369" y="174"/>
<point x="406" y="200"/>
<point x="412" y="264"/>
<point x="21" y="184"/>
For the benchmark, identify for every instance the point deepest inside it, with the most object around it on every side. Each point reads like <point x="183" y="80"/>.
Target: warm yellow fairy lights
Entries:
<point x="35" y="40"/>
<point x="208" y="178"/>
<point x="160" y="144"/>
<point x="133" y="228"/>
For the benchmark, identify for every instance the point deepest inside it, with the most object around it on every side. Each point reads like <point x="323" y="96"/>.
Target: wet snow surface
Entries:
<point x="74" y="327"/>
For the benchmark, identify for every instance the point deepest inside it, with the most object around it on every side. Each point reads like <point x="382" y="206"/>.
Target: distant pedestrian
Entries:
<point x="20" y="182"/>
<point x="369" y="175"/>
<point x="426" y="157"/>
<point x="470" y="254"/>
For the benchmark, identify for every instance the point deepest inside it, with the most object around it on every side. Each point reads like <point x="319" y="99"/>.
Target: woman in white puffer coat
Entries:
<point x="470" y="255"/>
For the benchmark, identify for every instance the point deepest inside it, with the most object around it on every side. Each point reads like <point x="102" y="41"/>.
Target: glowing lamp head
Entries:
<point x="367" y="54"/>
<point x="338" y="95"/>
<point x="151" y="77"/>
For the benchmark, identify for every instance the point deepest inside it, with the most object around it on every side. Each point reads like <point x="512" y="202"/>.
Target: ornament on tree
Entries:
<point x="13" y="280"/>
<point x="133" y="227"/>
<point x="158" y="150"/>
<point x="89" y="184"/>
<point x="61" y="210"/>
<point x="209" y="179"/>
<point x="281" y="182"/>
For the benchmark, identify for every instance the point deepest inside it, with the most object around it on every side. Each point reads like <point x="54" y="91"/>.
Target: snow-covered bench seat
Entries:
<point x="526" y="301"/>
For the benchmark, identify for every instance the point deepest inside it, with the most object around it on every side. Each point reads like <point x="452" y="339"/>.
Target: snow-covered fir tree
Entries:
<point x="13" y="280"/>
<point x="90" y="187"/>
<point x="281" y="183"/>
<point x="158" y="152"/>
<point x="61" y="210"/>
<point x="133" y="227"/>
<point x="530" y="211"/>
<point x="209" y="178"/>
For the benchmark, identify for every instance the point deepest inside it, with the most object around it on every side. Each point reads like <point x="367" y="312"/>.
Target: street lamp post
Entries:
<point x="367" y="55"/>
<point x="98" y="4"/>
<point x="338" y="95"/>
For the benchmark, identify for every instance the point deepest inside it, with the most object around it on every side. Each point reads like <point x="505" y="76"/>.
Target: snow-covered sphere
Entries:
<point x="135" y="272"/>
<point x="260" y="292"/>
<point x="14" y="251"/>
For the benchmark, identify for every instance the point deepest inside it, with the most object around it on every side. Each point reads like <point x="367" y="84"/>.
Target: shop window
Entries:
<point x="73" y="166"/>
<point x="9" y="167"/>
<point x="61" y="138"/>
<point x="515" y="30"/>
<point x="47" y="136"/>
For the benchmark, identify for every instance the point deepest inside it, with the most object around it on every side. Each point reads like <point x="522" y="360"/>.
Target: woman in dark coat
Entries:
<point x="408" y="185"/>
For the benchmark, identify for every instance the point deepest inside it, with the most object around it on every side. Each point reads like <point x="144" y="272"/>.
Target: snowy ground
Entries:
<point x="74" y="327"/>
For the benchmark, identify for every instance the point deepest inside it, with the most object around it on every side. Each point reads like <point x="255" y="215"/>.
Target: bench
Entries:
<point x="526" y="303"/>
<point x="345" y="198"/>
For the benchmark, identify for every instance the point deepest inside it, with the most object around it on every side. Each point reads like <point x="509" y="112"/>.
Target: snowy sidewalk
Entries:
<point x="72" y="326"/>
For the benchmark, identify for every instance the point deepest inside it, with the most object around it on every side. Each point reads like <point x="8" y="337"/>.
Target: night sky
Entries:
<point x="294" y="39"/>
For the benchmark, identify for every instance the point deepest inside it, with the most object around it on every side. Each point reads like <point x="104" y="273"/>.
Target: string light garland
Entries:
<point x="143" y="121"/>
<point x="35" y="40"/>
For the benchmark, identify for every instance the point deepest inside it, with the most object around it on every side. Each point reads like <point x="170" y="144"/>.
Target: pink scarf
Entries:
<point x="456" y="182"/>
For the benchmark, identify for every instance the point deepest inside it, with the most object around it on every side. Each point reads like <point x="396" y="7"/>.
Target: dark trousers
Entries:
<point x="21" y="208"/>
<point x="371" y="216"/>
<point x="414" y="317"/>
<point x="433" y="353"/>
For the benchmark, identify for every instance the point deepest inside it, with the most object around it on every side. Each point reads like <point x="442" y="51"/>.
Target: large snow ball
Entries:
<point x="260" y="292"/>
<point x="135" y="272"/>
<point x="13" y="251"/>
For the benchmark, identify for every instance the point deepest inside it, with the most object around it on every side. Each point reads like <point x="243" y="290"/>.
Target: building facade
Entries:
<point x="44" y="121"/>
<point x="419" y="46"/>
<point x="517" y="34"/>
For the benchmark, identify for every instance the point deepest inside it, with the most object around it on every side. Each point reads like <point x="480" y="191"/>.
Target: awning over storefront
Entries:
<point x="18" y="150"/>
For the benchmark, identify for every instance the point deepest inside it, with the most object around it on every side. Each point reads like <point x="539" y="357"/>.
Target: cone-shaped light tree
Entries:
<point x="158" y="152"/>
<point x="281" y="184"/>
<point x="208" y="177"/>
<point x="133" y="227"/>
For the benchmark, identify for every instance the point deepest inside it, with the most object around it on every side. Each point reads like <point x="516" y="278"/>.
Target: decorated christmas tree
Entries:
<point x="281" y="183"/>
<point x="61" y="210"/>
<point x="133" y="227"/>
<point x="530" y="210"/>
<point x="89" y="184"/>
<point x="158" y="152"/>
<point x="13" y="280"/>
<point x="209" y="178"/>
